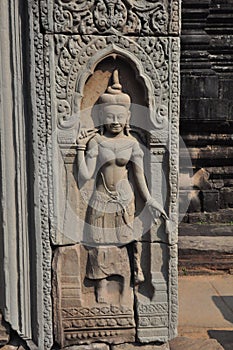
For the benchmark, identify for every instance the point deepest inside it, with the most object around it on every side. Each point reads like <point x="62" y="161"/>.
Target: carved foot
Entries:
<point x="138" y="276"/>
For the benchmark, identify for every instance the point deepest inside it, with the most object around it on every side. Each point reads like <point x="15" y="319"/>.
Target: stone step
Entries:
<point x="204" y="254"/>
<point x="179" y="343"/>
<point x="183" y="343"/>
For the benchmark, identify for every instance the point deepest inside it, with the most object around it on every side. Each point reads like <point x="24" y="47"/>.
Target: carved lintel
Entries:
<point x="111" y="17"/>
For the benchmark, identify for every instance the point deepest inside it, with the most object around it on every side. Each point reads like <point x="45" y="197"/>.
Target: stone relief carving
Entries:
<point x="107" y="17"/>
<point x="109" y="222"/>
<point x="93" y="293"/>
<point x="81" y="317"/>
<point x="110" y="215"/>
<point x="74" y="53"/>
<point x="92" y="300"/>
<point x="155" y="58"/>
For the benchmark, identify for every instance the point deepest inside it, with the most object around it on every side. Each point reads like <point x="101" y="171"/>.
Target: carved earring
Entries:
<point x="127" y="128"/>
<point x="101" y="130"/>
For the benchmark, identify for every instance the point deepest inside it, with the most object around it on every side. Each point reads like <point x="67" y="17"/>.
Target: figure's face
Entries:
<point x="114" y="118"/>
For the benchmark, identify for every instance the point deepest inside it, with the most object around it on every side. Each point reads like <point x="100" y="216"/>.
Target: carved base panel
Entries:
<point x="86" y="336"/>
<point x="87" y="308"/>
<point x="160" y="334"/>
<point x="94" y="299"/>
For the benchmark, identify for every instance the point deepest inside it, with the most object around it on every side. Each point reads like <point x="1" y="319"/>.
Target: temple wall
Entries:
<point x="206" y="125"/>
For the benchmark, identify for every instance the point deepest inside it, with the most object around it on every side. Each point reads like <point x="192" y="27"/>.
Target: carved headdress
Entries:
<point x="114" y="94"/>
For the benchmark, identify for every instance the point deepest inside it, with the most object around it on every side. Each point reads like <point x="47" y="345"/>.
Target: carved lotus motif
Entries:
<point x="109" y="14"/>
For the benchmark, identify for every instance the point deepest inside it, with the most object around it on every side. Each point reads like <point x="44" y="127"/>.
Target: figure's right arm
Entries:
<point x="86" y="161"/>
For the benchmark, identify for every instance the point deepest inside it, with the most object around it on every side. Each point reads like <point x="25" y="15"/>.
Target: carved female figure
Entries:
<point x="107" y="154"/>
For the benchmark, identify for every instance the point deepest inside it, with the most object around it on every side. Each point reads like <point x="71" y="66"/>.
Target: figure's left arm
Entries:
<point x="155" y="208"/>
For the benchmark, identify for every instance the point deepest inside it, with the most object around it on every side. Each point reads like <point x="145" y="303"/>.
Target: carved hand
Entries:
<point x="85" y="135"/>
<point x="156" y="209"/>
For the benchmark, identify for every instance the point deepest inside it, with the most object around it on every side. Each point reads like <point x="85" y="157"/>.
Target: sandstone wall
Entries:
<point x="206" y="119"/>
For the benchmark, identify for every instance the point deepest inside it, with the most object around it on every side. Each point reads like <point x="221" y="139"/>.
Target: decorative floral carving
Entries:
<point x="88" y="323"/>
<point x="108" y="310"/>
<point x="151" y="322"/>
<point x="73" y="54"/>
<point x="40" y="139"/>
<point x="111" y="16"/>
<point x="153" y="309"/>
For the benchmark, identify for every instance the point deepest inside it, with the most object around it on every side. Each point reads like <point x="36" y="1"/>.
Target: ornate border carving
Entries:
<point x="173" y="179"/>
<point x="139" y="17"/>
<point x="174" y="134"/>
<point x="41" y="131"/>
<point x="77" y="57"/>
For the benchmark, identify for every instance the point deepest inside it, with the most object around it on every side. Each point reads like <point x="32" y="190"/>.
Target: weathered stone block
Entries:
<point x="189" y="109"/>
<point x="204" y="109"/>
<point x="226" y="88"/>
<point x="153" y="302"/>
<point x="4" y="334"/>
<point x="222" y="215"/>
<point x="82" y="314"/>
<point x="100" y="346"/>
<point x="189" y="200"/>
<point x="194" y="344"/>
<point x="217" y="184"/>
<point x="212" y="109"/>
<point x="201" y="179"/>
<point x="195" y="203"/>
<point x="210" y="200"/>
<point x="200" y="86"/>
<point x="226" y="197"/>
<point x="141" y="347"/>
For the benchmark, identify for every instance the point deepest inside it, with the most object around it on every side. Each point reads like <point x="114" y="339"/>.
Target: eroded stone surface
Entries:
<point x="141" y="347"/>
<point x="14" y="347"/>
<point x="181" y="343"/>
<point x="152" y="294"/>
<point x="79" y="312"/>
<point x="4" y="335"/>
<point x="88" y="347"/>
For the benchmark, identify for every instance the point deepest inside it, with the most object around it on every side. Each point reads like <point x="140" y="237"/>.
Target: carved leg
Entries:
<point x="138" y="274"/>
<point x="124" y="296"/>
<point x="101" y="291"/>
